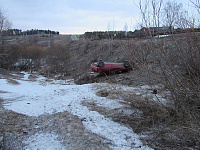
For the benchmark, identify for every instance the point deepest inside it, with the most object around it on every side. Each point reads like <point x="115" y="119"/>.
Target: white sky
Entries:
<point x="73" y="16"/>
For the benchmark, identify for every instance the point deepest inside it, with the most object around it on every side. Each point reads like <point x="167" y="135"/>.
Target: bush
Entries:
<point x="173" y="62"/>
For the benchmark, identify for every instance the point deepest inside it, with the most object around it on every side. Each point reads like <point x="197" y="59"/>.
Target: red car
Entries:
<point x="110" y="68"/>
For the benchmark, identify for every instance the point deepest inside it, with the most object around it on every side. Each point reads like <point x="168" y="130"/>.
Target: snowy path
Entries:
<point x="41" y="97"/>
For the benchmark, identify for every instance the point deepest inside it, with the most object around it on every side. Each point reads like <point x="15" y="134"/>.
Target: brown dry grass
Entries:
<point x="173" y="62"/>
<point x="165" y="129"/>
<point x="12" y="81"/>
<point x="69" y="129"/>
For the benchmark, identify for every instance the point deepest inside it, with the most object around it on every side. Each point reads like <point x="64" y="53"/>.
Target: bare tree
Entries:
<point x="196" y="5"/>
<point x="108" y="26"/>
<point x="5" y="24"/>
<point x="151" y="13"/>
<point x="171" y="12"/>
<point x="145" y="13"/>
<point x="125" y="27"/>
<point x="181" y="74"/>
<point x="175" y="16"/>
<point x="156" y="7"/>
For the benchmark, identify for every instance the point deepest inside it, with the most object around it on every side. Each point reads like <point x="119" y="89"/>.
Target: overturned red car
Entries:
<point x="103" y="68"/>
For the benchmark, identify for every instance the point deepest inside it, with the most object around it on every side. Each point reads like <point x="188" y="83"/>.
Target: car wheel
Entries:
<point x="100" y="63"/>
<point x="126" y="64"/>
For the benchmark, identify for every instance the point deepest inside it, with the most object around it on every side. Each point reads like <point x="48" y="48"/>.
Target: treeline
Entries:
<point x="143" y="32"/>
<point x="14" y="32"/>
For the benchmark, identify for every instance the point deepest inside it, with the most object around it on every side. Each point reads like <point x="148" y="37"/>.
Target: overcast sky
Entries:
<point x="72" y="16"/>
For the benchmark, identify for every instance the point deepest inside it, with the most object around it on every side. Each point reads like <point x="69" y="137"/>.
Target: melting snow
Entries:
<point x="36" y="98"/>
<point x="43" y="141"/>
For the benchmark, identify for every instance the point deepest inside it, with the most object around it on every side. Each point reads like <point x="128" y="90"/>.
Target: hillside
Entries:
<point x="169" y="64"/>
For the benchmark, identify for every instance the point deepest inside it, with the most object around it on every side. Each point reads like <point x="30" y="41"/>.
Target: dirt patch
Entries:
<point x="14" y="82"/>
<point x="103" y="93"/>
<point x="2" y="92"/>
<point x="32" y="77"/>
<point x="1" y="101"/>
<point x="8" y="74"/>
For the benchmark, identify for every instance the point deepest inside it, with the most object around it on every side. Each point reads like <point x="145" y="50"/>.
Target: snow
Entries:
<point x="146" y="91"/>
<point x="45" y="98"/>
<point x="161" y="36"/>
<point x="43" y="141"/>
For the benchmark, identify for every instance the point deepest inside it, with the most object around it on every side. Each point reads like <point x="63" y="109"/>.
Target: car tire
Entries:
<point x="100" y="63"/>
<point x="126" y="64"/>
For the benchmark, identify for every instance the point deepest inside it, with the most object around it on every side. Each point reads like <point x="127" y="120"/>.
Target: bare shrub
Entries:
<point x="85" y="78"/>
<point x="5" y="24"/>
<point x="56" y="59"/>
<point x="84" y="46"/>
<point x="33" y="39"/>
<point x="154" y="114"/>
<point x="175" y="63"/>
<point x="180" y="68"/>
<point x="14" y="55"/>
<point x="26" y="57"/>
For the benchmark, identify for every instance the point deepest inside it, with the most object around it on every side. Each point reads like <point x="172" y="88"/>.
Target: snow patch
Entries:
<point x="43" y="141"/>
<point x="35" y="99"/>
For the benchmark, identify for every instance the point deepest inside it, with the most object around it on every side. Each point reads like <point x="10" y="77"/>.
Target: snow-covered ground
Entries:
<point x="35" y="98"/>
